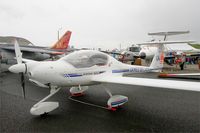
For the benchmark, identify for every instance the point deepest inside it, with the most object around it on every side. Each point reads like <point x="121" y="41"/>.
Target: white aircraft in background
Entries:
<point x="83" y="68"/>
<point x="147" y="52"/>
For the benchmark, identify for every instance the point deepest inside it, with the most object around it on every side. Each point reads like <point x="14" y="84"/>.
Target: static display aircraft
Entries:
<point x="147" y="52"/>
<point x="38" y="53"/>
<point x="83" y="68"/>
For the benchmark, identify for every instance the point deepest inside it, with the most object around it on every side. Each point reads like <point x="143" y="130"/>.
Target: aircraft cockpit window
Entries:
<point x="87" y="59"/>
<point x="134" y="49"/>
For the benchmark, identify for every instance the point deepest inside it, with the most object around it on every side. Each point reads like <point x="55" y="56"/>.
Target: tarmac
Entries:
<point x="148" y="110"/>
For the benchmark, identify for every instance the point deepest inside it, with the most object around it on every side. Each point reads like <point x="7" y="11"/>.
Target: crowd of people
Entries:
<point x="189" y="60"/>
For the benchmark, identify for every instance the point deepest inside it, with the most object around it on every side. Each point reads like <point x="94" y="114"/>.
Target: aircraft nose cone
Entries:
<point x="17" y="68"/>
<point x="142" y="55"/>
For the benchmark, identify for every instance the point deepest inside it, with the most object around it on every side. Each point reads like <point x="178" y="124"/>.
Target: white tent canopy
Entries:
<point x="179" y="47"/>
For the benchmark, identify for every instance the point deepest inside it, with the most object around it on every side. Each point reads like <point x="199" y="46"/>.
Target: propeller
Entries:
<point x="20" y="67"/>
<point x="23" y="84"/>
<point x="23" y="81"/>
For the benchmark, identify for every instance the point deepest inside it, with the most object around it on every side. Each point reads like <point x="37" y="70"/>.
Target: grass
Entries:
<point x="197" y="46"/>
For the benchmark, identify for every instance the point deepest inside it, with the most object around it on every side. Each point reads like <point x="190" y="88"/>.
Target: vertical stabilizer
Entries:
<point x="63" y="43"/>
<point x="158" y="58"/>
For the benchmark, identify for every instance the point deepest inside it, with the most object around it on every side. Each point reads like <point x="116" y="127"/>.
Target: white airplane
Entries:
<point x="83" y="68"/>
<point x="147" y="52"/>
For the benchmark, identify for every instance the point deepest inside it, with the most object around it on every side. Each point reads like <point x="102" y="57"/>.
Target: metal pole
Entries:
<point x="58" y="32"/>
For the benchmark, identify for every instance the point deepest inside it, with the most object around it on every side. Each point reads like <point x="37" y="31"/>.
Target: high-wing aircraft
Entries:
<point x="147" y="52"/>
<point x="7" y="53"/>
<point x="83" y="68"/>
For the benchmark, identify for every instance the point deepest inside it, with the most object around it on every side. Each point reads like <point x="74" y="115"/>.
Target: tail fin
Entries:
<point x="158" y="59"/>
<point x="63" y="43"/>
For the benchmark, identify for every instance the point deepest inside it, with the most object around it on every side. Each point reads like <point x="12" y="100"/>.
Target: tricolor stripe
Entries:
<point x="119" y="102"/>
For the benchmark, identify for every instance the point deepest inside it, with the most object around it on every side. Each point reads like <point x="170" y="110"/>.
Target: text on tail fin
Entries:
<point x="162" y="58"/>
<point x="158" y="58"/>
<point x="63" y="42"/>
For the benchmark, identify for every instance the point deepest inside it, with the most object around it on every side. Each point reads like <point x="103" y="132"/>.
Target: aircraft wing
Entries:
<point x="170" y="84"/>
<point x="32" y="49"/>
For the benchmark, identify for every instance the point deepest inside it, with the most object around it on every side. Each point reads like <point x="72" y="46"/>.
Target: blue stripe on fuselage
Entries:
<point x="73" y="75"/>
<point x="134" y="70"/>
<point x="120" y="71"/>
<point x="83" y="74"/>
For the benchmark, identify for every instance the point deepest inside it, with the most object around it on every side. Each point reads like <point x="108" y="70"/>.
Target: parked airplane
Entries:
<point x="147" y="51"/>
<point x="83" y="68"/>
<point x="34" y="52"/>
<point x="144" y="51"/>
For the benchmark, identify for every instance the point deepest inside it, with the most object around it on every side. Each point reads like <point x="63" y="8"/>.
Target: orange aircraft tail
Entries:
<point x="63" y="42"/>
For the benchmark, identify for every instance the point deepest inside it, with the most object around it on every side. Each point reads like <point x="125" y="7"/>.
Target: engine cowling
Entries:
<point x="142" y="55"/>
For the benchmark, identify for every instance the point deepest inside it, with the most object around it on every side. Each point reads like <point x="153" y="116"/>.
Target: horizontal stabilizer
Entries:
<point x="165" y="42"/>
<point x="169" y="33"/>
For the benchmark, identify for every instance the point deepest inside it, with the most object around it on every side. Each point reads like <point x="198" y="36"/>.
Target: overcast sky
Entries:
<point x="97" y="23"/>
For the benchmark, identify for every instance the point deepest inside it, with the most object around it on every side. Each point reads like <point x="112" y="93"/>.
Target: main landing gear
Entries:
<point x="114" y="102"/>
<point x="42" y="108"/>
<point x="78" y="91"/>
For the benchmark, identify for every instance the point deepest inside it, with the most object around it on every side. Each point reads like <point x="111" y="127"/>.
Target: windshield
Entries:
<point x="134" y="49"/>
<point x="89" y="58"/>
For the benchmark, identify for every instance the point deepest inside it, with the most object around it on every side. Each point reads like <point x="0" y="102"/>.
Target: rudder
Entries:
<point x="158" y="59"/>
<point x="63" y="42"/>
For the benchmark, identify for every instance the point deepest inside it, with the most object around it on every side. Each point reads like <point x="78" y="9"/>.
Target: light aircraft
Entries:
<point x="147" y="51"/>
<point x="81" y="69"/>
<point x="34" y="52"/>
<point x="144" y="51"/>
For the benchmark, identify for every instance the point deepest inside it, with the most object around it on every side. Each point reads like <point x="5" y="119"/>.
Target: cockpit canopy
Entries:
<point x="86" y="58"/>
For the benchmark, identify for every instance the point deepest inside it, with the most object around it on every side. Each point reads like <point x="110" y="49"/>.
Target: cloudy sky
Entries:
<point x="98" y="23"/>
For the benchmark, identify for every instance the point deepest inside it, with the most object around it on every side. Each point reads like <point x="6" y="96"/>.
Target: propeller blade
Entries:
<point x="23" y="84"/>
<point x="18" y="53"/>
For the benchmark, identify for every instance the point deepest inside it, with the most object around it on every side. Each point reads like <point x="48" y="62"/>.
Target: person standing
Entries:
<point x="199" y="63"/>
<point x="182" y="62"/>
